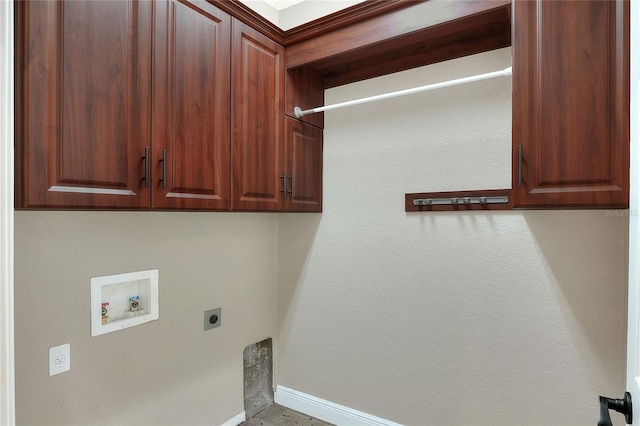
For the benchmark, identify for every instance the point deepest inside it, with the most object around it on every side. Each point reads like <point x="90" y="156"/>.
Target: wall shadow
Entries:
<point x="587" y="255"/>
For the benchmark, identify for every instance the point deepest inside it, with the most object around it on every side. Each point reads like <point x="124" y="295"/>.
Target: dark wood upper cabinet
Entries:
<point x="191" y="109"/>
<point x="83" y="103"/>
<point x="303" y="167"/>
<point x="133" y="105"/>
<point x="257" y="120"/>
<point x="571" y="103"/>
<point x="177" y="104"/>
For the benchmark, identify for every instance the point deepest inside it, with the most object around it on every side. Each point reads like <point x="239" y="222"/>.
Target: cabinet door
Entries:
<point x="83" y="90"/>
<point x="257" y="120"/>
<point x="191" y="113"/>
<point x="571" y="103"/>
<point x="304" y="160"/>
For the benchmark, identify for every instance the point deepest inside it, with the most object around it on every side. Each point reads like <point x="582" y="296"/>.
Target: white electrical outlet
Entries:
<point x="59" y="359"/>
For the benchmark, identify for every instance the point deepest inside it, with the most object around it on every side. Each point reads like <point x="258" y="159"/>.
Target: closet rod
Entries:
<point x="503" y="73"/>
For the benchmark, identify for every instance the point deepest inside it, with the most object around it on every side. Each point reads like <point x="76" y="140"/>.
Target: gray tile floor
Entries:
<point x="277" y="415"/>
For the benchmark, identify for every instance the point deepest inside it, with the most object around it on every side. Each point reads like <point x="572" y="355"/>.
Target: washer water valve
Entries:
<point x="105" y="317"/>
<point x="135" y="302"/>
<point x="135" y="308"/>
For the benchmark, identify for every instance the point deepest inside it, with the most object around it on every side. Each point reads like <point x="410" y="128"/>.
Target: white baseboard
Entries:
<point x="326" y="410"/>
<point x="235" y="420"/>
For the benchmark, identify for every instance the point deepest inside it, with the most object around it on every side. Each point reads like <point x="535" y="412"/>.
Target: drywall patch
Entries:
<point x="258" y="377"/>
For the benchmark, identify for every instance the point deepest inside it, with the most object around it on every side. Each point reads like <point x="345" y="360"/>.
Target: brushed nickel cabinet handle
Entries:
<point x="146" y="166"/>
<point x="291" y="186"/>
<point x="519" y="165"/>
<point x="283" y="178"/>
<point x="164" y="169"/>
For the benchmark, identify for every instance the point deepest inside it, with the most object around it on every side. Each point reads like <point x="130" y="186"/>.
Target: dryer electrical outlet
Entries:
<point x="212" y="318"/>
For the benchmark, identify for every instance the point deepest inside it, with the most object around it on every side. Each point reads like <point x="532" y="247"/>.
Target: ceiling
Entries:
<point x="282" y="4"/>
<point x="288" y="14"/>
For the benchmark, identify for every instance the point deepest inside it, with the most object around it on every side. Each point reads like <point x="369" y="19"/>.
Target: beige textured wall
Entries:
<point x="501" y="318"/>
<point x="166" y="372"/>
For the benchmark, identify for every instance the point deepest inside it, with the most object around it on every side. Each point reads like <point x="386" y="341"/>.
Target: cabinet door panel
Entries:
<point x="84" y="75"/>
<point x="570" y="103"/>
<point x="304" y="158"/>
<point x="191" y="106"/>
<point x="574" y="89"/>
<point x="258" y="97"/>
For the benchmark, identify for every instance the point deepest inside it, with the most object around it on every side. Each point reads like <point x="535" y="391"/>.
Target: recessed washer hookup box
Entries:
<point x="123" y="300"/>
